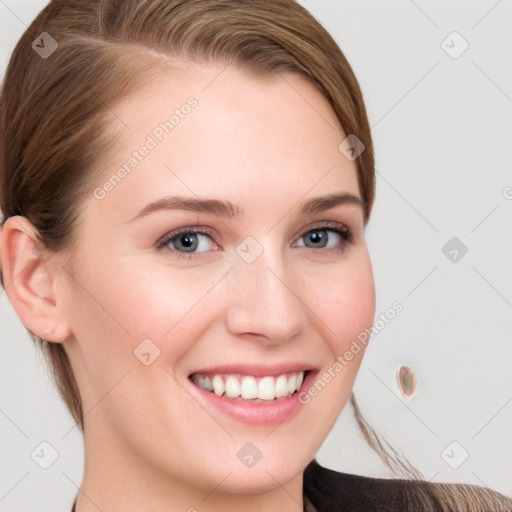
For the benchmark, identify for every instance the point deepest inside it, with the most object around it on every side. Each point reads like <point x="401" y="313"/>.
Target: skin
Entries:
<point x="266" y="144"/>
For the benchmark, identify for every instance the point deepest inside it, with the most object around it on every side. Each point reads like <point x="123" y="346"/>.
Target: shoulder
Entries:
<point x="331" y="491"/>
<point x="343" y="491"/>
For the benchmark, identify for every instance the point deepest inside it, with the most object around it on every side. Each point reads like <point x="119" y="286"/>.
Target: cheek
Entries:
<point x="345" y="303"/>
<point x="116" y="307"/>
<point x="355" y="309"/>
<point x="344" y="300"/>
<point x="131" y="301"/>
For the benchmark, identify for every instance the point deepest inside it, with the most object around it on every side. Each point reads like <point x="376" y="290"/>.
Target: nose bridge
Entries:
<point x="263" y="301"/>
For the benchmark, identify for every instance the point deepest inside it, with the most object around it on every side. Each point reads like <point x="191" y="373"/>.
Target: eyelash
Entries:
<point x="335" y="227"/>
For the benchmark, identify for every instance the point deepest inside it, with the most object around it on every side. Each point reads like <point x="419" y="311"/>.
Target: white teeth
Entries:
<point x="248" y="388"/>
<point x="218" y="385"/>
<point x="300" y="379"/>
<point x="281" y="387"/>
<point x="266" y="388"/>
<point x="202" y="381"/>
<point x="291" y="384"/>
<point x="232" y="387"/>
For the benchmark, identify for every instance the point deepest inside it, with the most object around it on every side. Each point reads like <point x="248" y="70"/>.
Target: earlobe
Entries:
<point x="30" y="280"/>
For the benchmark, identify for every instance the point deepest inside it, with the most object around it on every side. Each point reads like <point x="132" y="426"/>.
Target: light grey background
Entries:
<point x="442" y="133"/>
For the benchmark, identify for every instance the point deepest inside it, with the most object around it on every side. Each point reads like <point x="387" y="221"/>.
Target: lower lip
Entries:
<point x="256" y="413"/>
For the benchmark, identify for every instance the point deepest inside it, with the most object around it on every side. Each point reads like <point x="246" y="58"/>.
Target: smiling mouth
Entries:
<point x="249" y="387"/>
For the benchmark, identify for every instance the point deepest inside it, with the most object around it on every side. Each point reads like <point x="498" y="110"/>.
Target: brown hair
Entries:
<point x="55" y="124"/>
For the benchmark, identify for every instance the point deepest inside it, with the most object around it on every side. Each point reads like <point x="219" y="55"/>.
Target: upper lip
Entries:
<point x="255" y="369"/>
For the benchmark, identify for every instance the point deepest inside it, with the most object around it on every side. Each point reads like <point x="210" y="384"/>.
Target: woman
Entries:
<point x="185" y="188"/>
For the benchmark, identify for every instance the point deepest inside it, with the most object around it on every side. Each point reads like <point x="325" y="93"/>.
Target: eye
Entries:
<point x="186" y="241"/>
<point x="327" y="236"/>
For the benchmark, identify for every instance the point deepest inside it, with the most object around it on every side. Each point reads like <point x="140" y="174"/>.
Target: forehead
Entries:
<point x="219" y="130"/>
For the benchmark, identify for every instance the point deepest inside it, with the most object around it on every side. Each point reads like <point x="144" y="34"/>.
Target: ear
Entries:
<point x="31" y="278"/>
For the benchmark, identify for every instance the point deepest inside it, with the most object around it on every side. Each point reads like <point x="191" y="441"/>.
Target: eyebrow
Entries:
<point x="229" y="210"/>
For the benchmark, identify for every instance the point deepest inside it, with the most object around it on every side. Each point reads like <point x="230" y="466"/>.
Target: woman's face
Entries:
<point x="270" y="291"/>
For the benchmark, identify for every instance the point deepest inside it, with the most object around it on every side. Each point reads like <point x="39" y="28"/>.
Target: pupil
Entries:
<point x="189" y="241"/>
<point x="316" y="236"/>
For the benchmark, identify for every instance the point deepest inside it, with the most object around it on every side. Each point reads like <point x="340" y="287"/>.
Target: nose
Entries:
<point x="264" y="302"/>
